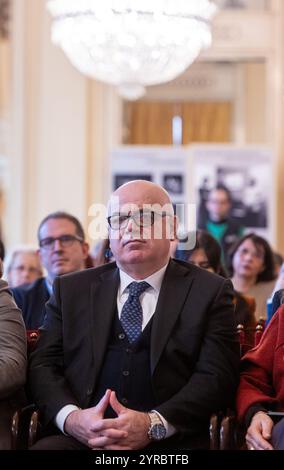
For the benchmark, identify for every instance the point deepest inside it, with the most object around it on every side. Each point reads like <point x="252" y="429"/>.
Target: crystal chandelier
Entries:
<point x="131" y="43"/>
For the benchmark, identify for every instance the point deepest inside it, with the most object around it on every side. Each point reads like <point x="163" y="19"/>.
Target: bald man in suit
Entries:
<point x="137" y="353"/>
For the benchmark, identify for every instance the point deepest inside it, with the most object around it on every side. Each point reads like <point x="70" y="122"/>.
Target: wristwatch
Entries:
<point x="157" y="430"/>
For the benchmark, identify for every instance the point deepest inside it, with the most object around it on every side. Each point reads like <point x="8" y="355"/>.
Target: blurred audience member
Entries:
<point x="220" y="224"/>
<point x="262" y="388"/>
<point x="23" y="267"/>
<point x="207" y="255"/>
<point x="278" y="262"/>
<point x="62" y="250"/>
<point x="277" y="297"/>
<point x="253" y="272"/>
<point x="12" y="361"/>
<point x="274" y="303"/>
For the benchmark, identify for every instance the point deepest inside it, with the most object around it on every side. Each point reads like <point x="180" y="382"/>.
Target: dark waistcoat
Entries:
<point x="126" y="370"/>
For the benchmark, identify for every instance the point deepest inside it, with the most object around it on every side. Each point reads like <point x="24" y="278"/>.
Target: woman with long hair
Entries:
<point x="253" y="271"/>
<point x="207" y="254"/>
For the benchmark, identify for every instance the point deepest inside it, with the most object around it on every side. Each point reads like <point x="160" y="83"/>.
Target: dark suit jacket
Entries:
<point x="277" y="300"/>
<point x="194" y="353"/>
<point x="31" y="299"/>
<point x="13" y="361"/>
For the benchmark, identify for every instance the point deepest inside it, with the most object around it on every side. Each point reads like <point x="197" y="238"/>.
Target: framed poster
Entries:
<point x="163" y="165"/>
<point x="188" y="174"/>
<point x="247" y="172"/>
<point x="167" y="166"/>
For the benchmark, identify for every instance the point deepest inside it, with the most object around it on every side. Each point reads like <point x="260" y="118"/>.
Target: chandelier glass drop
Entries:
<point x="131" y="43"/>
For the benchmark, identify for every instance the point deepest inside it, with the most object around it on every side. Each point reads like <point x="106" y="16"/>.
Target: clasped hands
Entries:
<point x="128" y="431"/>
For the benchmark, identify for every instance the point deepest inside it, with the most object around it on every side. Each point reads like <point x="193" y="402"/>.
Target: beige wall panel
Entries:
<point x="61" y="160"/>
<point x="255" y="83"/>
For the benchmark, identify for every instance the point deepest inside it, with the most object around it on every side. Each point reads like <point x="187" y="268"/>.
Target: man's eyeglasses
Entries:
<point x="141" y="219"/>
<point x="65" y="241"/>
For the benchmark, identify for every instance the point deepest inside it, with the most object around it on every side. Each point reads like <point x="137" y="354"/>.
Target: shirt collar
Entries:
<point x="48" y="285"/>
<point x="155" y="280"/>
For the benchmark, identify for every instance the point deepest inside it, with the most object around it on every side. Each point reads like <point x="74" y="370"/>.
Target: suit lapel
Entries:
<point x="103" y="305"/>
<point x="174" y="291"/>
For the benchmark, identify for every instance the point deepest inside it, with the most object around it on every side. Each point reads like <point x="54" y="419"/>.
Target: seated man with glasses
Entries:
<point x="62" y="250"/>
<point x="136" y="353"/>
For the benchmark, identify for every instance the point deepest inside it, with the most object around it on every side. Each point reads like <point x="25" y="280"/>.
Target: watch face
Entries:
<point x="158" y="432"/>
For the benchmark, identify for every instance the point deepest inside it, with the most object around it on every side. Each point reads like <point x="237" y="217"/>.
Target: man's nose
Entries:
<point x="133" y="228"/>
<point x="129" y="225"/>
<point x="57" y="245"/>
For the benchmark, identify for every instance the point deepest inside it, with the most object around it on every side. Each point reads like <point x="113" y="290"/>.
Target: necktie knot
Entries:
<point x="131" y="314"/>
<point x="137" y="288"/>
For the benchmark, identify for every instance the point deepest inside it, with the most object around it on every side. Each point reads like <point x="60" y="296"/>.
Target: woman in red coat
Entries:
<point x="262" y="386"/>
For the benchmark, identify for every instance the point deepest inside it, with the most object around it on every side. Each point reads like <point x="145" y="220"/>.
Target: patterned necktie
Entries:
<point x="131" y="314"/>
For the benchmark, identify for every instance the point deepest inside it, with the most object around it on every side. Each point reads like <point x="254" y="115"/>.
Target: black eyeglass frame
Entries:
<point x="65" y="240"/>
<point x="133" y="217"/>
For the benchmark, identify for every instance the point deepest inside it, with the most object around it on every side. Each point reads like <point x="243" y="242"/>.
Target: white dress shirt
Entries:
<point x="148" y="301"/>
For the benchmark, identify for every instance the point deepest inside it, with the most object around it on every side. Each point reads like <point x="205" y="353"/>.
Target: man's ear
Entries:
<point x="86" y="249"/>
<point x="39" y="255"/>
<point x="173" y="227"/>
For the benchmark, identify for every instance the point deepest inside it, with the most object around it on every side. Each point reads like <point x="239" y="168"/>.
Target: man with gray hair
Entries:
<point x="22" y="266"/>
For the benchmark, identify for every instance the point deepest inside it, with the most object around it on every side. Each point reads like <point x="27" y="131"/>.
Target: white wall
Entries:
<point x="64" y="125"/>
<point x="54" y="161"/>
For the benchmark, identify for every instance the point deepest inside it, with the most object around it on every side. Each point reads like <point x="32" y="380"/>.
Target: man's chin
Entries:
<point x="62" y="270"/>
<point x="135" y="256"/>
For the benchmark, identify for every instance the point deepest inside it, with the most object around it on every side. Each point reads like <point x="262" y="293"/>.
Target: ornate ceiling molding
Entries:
<point x="4" y="18"/>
